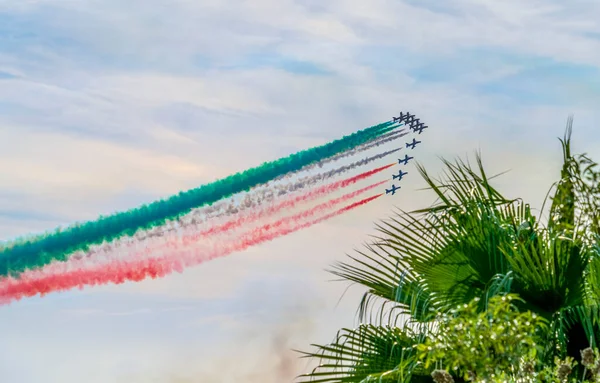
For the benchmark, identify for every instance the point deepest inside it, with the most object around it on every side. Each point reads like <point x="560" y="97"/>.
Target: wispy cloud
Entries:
<point x="105" y="105"/>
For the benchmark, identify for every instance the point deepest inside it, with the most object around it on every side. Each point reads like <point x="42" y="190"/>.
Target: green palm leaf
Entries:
<point x="356" y="355"/>
<point x="473" y="243"/>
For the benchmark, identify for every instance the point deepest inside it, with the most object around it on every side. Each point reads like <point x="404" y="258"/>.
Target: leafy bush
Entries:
<point x="498" y="344"/>
<point x="475" y="243"/>
<point x="491" y="345"/>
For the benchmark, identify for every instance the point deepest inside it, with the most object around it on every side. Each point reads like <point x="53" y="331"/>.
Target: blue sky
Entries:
<point x="105" y="105"/>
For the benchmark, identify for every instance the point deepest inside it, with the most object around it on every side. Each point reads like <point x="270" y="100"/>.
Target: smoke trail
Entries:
<point x="383" y="139"/>
<point x="392" y="131"/>
<point x="264" y="195"/>
<point x="60" y="278"/>
<point x="37" y="251"/>
<point x="384" y="136"/>
<point x="200" y="216"/>
<point x="191" y="236"/>
<point x="257" y="196"/>
<point x="194" y="225"/>
<point x="261" y="195"/>
<point x="352" y="152"/>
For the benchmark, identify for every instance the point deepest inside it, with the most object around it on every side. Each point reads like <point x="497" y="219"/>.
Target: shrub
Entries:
<point x="497" y="344"/>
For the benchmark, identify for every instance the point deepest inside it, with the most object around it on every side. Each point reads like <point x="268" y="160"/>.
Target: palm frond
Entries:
<point x="366" y="352"/>
<point x="548" y="272"/>
<point x="386" y="276"/>
<point x="473" y="242"/>
<point x="436" y="258"/>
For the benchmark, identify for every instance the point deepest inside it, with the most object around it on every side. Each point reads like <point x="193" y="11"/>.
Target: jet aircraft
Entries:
<point x="415" y="121"/>
<point x="419" y="129"/>
<point x="399" y="175"/>
<point x="405" y="159"/>
<point x="392" y="190"/>
<point x="409" y="117"/>
<point x="413" y="143"/>
<point x="403" y="117"/>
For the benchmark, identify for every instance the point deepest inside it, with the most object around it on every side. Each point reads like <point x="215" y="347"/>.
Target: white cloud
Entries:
<point x="117" y="103"/>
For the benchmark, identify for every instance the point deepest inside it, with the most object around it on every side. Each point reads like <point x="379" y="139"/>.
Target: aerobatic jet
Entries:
<point x="402" y="117"/>
<point x="409" y="117"/>
<point x="419" y="129"/>
<point x="412" y="144"/>
<point x="415" y="121"/>
<point x="405" y="159"/>
<point x="392" y="190"/>
<point x="399" y="175"/>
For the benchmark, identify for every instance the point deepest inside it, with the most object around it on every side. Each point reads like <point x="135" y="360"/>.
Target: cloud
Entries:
<point x="55" y="175"/>
<point x="105" y="105"/>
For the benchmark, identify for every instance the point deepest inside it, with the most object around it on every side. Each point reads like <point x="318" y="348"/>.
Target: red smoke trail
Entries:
<point x="245" y="219"/>
<point x="313" y="194"/>
<point x="34" y="282"/>
<point x="189" y="240"/>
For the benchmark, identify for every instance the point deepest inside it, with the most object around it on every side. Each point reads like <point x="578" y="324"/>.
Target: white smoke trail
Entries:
<point x="259" y="196"/>
<point x="349" y="153"/>
<point x="384" y="139"/>
<point x="222" y="208"/>
<point x="197" y="217"/>
<point x="199" y="237"/>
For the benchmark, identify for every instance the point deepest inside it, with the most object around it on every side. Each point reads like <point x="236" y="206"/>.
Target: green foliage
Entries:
<point x="564" y="370"/>
<point x="383" y="353"/>
<point x="475" y="244"/>
<point x="484" y="345"/>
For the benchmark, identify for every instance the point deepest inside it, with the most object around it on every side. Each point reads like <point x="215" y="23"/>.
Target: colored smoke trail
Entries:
<point x="194" y="226"/>
<point x="200" y="216"/>
<point x="385" y="139"/>
<point x="381" y="140"/>
<point x="290" y="203"/>
<point x="262" y="195"/>
<point x="179" y="242"/>
<point x="352" y="152"/>
<point x="33" y="252"/>
<point x="34" y="282"/>
<point x="385" y="136"/>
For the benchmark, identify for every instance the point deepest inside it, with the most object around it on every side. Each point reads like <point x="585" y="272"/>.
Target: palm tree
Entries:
<point x="472" y="243"/>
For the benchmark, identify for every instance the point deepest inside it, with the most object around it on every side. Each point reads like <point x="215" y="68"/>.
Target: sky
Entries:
<point x="105" y="105"/>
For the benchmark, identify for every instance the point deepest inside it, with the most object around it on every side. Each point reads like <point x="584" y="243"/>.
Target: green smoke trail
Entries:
<point x="34" y="252"/>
